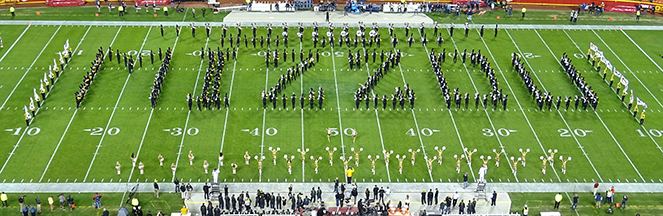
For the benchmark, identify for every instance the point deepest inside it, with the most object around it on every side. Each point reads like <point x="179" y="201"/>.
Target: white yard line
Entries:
<point x="37" y="111"/>
<point x="185" y="13"/>
<point x="536" y="136"/>
<point x="643" y="52"/>
<point x="490" y="120"/>
<point x="582" y="148"/>
<point x="57" y="147"/>
<point x="15" y="42"/>
<point x="338" y="104"/>
<point x="641" y="126"/>
<point x="264" y="115"/>
<point x="377" y="121"/>
<point x="140" y="146"/>
<point x="626" y="66"/>
<point x="110" y="119"/>
<point x="520" y="107"/>
<point x="225" y="121"/>
<point x="301" y="110"/>
<point x="416" y="124"/>
<point x="460" y="139"/>
<point x="595" y="113"/>
<point x="147" y="125"/>
<point x="30" y="67"/>
<point x="188" y="114"/>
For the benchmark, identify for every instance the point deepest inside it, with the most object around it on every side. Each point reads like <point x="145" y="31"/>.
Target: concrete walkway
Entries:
<point x="307" y="18"/>
<point x="319" y="17"/>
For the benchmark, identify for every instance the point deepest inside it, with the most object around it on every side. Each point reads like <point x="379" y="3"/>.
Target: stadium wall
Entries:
<point x="610" y="5"/>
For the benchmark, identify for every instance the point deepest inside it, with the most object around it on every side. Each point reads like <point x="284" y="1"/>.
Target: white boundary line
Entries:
<point x="188" y="114"/>
<point x="57" y="147"/>
<point x="643" y="52"/>
<point x="15" y="42"/>
<point x="582" y="148"/>
<point x="110" y="119"/>
<point x="490" y="120"/>
<point x="30" y="67"/>
<point x="615" y="54"/>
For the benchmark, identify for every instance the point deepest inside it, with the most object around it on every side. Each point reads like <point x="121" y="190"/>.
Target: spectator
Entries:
<point x="97" y="200"/>
<point x="465" y="180"/>
<point x="493" y="199"/>
<point x="558" y="200"/>
<point x="574" y="203"/>
<point x="624" y="200"/>
<point x="62" y="200"/>
<point x="184" y="210"/>
<point x="608" y="196"/>
<point x="33" y="211"/>
<point x="348" y="173"/>
<point x="4" y="198"/>
<point x="598" y="198"/>
<point x="38" y="203"/>
<point x="156" y="189"/>
<point x="524" y="10"/>
<point x="21" y="202"/>
<point x="51" y="202"/>
<point x="24" y="210"/>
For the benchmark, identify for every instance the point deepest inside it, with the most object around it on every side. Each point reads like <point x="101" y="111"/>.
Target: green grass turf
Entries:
<point x="543" y="16"/>
<point x="63" y="151"/>
<point x="642" y="203"/>
<point x="89" y="13"/>
<point x="167" y="202"/>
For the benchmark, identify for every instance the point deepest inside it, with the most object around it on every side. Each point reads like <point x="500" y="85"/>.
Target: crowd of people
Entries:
<point x="61" y="201"/>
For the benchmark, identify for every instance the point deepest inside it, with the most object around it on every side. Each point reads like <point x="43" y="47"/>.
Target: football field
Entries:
<point x="66" y="144"/>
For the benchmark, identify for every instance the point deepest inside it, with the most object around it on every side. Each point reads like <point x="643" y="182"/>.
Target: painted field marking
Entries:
<point x="110" y="119"/>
